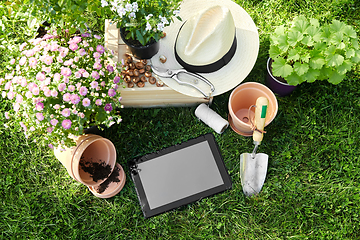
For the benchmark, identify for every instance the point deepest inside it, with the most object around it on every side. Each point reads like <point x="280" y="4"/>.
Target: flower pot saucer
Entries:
<point x="110" y="188"/>
<point x="237" y="130"/>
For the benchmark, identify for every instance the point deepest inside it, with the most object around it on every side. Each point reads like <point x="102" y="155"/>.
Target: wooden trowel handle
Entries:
<point x="260" y="115"/>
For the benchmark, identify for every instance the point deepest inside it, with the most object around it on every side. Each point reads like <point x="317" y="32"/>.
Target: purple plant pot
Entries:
<point x="283" y="89"/>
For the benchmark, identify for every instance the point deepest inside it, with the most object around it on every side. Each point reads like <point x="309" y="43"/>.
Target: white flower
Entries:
<point x="135" y="7"/>
<point x="160" y="26"/>
<point x="121" y="11"/>
<point x="148" y="27"/>
<point x="128" y="7"/>
<point x="104" y="3"/>
<point x="148" y="16"/>
<point x="132" y="15"/>
<point x="176" y="12"/>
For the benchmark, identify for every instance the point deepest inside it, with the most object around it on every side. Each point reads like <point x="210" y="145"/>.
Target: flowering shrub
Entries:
<point x="143" y="20"/>
<point x="59" y="86"/>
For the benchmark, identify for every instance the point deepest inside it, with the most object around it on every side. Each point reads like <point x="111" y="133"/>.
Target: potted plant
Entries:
<point x="141" y="22"/>
<point x="305" y="51"/>
<point x="60" y="85"/>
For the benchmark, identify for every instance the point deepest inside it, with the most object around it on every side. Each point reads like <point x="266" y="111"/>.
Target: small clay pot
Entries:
<point x="241" y="99"/>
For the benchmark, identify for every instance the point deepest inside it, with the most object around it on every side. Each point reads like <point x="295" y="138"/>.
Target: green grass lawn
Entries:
<point x="312" y="189"/>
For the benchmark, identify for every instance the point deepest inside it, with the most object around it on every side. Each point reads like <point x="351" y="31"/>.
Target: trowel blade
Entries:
<point x="253" y="172"/>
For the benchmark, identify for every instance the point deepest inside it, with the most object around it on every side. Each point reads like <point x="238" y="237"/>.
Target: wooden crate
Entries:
<point x="150" y="95"/>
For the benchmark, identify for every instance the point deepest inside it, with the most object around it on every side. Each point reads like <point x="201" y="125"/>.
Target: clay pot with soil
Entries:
<point x="92" y="162"/>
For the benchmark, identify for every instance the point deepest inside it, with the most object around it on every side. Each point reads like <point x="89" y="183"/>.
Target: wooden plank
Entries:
<point x="150" y="95"/>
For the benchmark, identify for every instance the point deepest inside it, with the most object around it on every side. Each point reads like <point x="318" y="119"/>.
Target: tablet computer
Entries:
<point x="179" y="175"/>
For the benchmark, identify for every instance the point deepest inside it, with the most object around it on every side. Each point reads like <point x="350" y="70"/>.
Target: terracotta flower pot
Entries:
<point x="241" y="99"/>
<point x="141" y="52"/>
<point x="281" y="88"/>
<point x="91" y="161"/>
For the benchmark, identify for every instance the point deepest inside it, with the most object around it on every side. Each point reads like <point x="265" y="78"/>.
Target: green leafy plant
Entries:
<point x="304" y="50"/>
<point x="143" y="20"/>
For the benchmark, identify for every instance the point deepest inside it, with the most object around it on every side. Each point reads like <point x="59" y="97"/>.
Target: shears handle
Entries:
<point x="175" y="77"/>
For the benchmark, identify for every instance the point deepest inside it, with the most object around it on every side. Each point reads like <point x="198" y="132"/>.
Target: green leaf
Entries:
<point x="345" y="67"/>
<point x="301" y="68"/>
<point x="355" y="43"/>
<point x="350" y="32"/>
<point x="336" y="78"/>
<point x="308" y="41"/>
<point x="336" y="26"/>
<point x="281" y="68"/>
<point x="294" y="38"/>
<point x="349" y="53"/>
<point x="317" y="62"/>
<point x="300" y="24"/>
<point x="330" y="51"/>
<point x="314" y="22"/>
<point x="280" y="30"/>
<point x="305" y="57"/>
<point x="140" y="37"/>
<point x="336" y="38"/>
<point x="334" y="60"/>
<point x="314" y="32"/>
<point x="325" y="73"/>
<point x="274" y="51"/>
<point x="356" y="58"/>
<point x="326" y="34"/>
<point x="311" y="75"/>
<point x="294" y="79"/>
<point x="293" y="55"/>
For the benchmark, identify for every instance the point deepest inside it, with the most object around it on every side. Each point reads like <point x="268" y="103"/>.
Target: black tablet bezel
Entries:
<point x="135" y="165"/>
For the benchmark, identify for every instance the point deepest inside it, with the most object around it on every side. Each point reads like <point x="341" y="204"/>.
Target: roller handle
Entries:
<point x="262" y="104"/>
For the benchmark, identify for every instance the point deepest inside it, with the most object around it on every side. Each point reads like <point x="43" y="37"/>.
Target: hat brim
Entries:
<point x="231" y="74"/>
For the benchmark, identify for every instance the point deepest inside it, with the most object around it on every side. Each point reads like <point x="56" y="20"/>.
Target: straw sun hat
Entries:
<point x="216" y="38"/>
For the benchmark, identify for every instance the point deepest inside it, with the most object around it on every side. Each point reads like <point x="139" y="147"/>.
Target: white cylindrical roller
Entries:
<point x="211" y="118"/>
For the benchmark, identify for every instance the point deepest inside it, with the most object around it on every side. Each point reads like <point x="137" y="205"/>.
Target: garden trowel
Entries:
<point x="253" y="166"/>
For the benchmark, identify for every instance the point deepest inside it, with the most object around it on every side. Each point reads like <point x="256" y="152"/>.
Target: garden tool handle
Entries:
<point x="260" y="115"/>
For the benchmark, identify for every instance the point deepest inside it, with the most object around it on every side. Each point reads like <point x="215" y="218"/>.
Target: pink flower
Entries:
<point x="32" y="62"/>
<point x="54" y="47"/>
<point x="57" y="106"/>
<point x="97" y="36"/>
<point x="110" y="68"/>
<point x="28" y="94"/>
<point x="111" y="92"/>
<point x="94" y="84"/>
<point x="22" y="61"/>
<point x="22" y="46"/>
<point x="76" y="59"/>
<point x="86" y="34"/>
<point x="103" y="83"/>
<point x="19" y="98"/>
<point x="100" y="49"/>
<point x="40" y="76"/>
<point x="51" y="146"/>
<point x="49" y="129"/>
<point x="76" y="39"/>
<point x="86" y="102"/>
<point x="54" y="122"/>
<point x="16" y="107"/>
<point x="116" y="79"/>
<point x="82" y="115"/>
<point x="77" y="75"/>
<point x="65" y="112"/>
<point x="120" y="98"/>
<point x="47" y="92"/>
<point x="75" y="99"/>
<point x="82" y="52"/>
<point x="96" y="55"/>
<point x="54" y="93"/>
<point x="39" y="116"/>
<point x="66" y="123"/>
<point x="67" y="97"/>
<point x="35" y="90"/>
<point x="65" y="71"/>
<point x="73" y="46"/>
<point x="86" y="74"/>
<point x="57" y="77"/>
<point x="108" y="107"/>
<point x="98" y="102"/>
<point x="95" y="75"/>
<point x="7" y="116"/>
<point x="10" y="95"/>
<point x="71" y="88"/>
<point x="48" y="60"/>
<point x="29" y="53"/>
<point x="61" y="87"/>
<point x="39" y="106"/>
<point x="83" y="91"/>
<point x="97" y="66"/>
<point x="68" y="62"/>
<point x="12" y="61"/>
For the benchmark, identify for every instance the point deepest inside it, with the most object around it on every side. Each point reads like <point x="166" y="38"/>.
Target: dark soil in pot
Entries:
<point x="98" y="170"/>
<point x="112" y="178"/>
